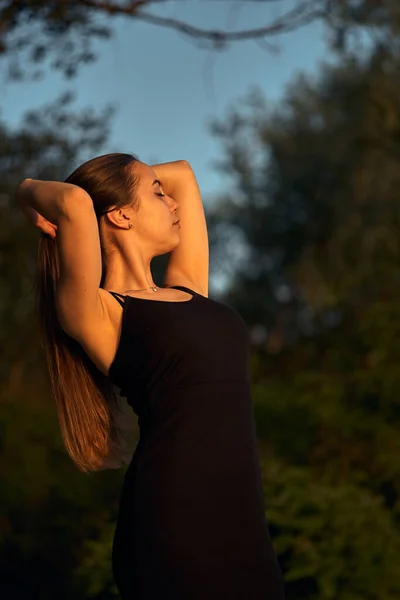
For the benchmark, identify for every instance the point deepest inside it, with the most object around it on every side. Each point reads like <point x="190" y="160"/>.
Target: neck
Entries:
<point x="132" y="276"/>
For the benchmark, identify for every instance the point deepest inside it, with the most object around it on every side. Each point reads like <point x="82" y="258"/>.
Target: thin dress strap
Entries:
<point x="181" y="287"/>
<point x="116" y="294"/>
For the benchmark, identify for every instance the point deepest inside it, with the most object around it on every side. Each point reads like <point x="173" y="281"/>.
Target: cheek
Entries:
<point x="155" y="222"/>
<point x="154" y="217"/>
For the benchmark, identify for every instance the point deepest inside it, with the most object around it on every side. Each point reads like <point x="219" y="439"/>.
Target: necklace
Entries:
<point x="152" y="288"/>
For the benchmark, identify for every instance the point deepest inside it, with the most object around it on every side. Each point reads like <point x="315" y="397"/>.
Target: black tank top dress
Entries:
<point x="191" y="522"/>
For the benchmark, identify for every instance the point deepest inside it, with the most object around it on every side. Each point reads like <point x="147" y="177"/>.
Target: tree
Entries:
<point x="316" y="194"/>
<point x="315" y="201"/>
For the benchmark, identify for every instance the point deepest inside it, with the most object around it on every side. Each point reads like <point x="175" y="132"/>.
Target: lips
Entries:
<point x="175" y="222"/>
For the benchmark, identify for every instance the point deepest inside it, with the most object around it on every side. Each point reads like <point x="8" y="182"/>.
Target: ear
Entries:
<point x="117" y="217"/>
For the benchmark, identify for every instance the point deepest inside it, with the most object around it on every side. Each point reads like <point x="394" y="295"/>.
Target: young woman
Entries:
<point x="191" y="522"/>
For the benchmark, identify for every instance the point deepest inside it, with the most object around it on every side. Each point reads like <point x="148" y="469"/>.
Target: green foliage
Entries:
<point x="316" y="193"/>
<point x="94" y="574"/>
<point x="64" y="32"/>
<point x="328" y="424"/>
<point x="350" y="19"/>
<point x="335" y="542"/>
<point x="55" y="521"/>
<point x="316" y="203"/>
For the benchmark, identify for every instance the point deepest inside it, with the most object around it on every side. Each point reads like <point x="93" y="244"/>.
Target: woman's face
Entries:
<point x="153" y="223"/>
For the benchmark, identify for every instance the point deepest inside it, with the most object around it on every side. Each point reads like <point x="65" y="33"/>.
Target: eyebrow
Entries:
<point x="156" y="181"/>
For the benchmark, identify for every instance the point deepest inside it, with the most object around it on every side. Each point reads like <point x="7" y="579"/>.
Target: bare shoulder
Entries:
<point x="100" y="337"/>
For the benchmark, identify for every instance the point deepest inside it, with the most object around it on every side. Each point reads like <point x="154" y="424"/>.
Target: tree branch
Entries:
<point x="65" y="29"/>
<point x="304" y="13"/>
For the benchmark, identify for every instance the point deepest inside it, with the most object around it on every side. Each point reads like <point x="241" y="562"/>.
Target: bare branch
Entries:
<point x="305" y="12"/>
<point x="30" y="30"/>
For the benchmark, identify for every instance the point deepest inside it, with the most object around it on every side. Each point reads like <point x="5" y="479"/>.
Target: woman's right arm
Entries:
<point x="45" y="202"/>
<point x="70" y="209"/>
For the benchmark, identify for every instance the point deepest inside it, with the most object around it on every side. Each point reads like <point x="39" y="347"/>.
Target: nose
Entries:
<point x="174" y="205"/>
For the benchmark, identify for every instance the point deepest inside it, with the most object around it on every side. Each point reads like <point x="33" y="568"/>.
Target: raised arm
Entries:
<point x="188" y="263"/>
<point x="70" y="209"/>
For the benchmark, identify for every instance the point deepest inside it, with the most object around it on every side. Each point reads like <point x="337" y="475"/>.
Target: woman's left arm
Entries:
<point x="188" y="264"/>
<point x="171" y="175"/>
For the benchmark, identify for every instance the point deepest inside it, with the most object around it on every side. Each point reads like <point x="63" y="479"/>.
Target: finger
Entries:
<point x="44" y="225"/>
<point x="50" y="223"/>
<point x="45" y="234"/>
<point x="47" y="229"/>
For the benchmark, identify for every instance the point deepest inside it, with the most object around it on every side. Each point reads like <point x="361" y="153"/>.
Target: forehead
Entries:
<point x="146" y="173"/>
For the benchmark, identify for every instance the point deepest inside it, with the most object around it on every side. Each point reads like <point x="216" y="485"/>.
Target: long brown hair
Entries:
<point x="89" y="411"/>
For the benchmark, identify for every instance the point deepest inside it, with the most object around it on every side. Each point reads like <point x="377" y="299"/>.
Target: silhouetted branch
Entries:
<point x="306" y="11"/>
<point x="65" y="29"/>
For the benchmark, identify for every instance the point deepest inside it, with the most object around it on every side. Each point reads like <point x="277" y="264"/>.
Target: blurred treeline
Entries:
<point x="314" y="201"/>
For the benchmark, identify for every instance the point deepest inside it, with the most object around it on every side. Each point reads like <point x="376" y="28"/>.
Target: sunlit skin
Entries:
<point x="129" y="251"/>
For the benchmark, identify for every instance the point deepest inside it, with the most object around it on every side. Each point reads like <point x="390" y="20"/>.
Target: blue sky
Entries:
<point x="166" y="88"/>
